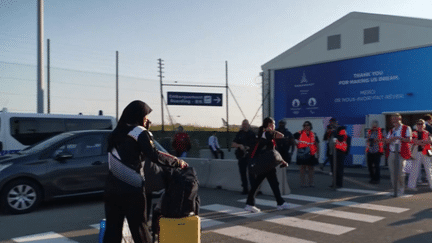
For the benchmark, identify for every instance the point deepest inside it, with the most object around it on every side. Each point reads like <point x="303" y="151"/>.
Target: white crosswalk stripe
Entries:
<point x="44" y="237"/>
<point x="290" y="221"/>
<point x="311" y="225"/>
<point x="259" y="236"/>
<point x="347" y="203"/>
<point x="370" y="192"/>
<point x="217" y="221"/>
<point x="327" y="212"/>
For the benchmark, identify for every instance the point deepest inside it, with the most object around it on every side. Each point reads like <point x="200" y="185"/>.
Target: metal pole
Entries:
<point x="268" y="94"/>
<point x="161" y="92"/>
<point x="40" y="98"/>
<point x="48" y="78"/>
<point x="117" y="86"/>
<point x="334" y="166"/>
<point x="396" y="170"/>
<point x="227" y="113"/>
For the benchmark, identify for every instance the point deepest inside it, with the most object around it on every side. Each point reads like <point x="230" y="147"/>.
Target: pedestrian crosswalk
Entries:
<point x="234" y="222"/>
<point x="308" y="225"/>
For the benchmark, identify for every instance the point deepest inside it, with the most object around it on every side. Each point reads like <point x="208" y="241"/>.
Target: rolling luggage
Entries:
<point x="180" y="230"/>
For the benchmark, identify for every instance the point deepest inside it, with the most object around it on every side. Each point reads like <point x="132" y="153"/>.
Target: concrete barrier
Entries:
<point x="215" y="173"/>
<point x="206" y="153"/>
<point x="202" y="168"/>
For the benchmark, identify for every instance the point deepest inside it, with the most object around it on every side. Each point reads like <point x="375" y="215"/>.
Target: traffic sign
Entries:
<point x="196" y="99"/>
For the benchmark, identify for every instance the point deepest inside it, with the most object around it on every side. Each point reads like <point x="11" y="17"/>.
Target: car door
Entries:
<point x="79" y="165"/>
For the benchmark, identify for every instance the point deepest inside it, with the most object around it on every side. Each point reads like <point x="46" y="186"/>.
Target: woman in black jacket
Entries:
<point x="128" y="146"/>
<point x="267" y="136"/>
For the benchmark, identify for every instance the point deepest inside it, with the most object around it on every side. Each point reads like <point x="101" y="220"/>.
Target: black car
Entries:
<point x="69" y="164"/>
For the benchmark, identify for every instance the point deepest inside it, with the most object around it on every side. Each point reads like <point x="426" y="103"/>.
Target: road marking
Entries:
<point x="259" y="236"/>
<point x="269" y="203"/>
<point x="230" y="210"/>
<point x="327" y="212"/>
<point x="343" y="214"/>
<point x="372" y="192"/>
<point x="361" y="191"/>
<point x="44" y="237"/>
<point x="291" y="221"/>
<point x="376" y="207"/>
<point x="206" y="223"/>
<point x="310" y="225"/>
<point x="348" y="203"/>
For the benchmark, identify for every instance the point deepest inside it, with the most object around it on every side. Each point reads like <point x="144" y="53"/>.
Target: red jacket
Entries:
<point x="181" y="142"/>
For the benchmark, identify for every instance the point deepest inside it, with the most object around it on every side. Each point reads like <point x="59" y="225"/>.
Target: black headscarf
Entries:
<point x="132" y="116"/>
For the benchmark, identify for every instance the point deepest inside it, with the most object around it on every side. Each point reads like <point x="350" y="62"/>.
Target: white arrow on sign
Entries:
<point x="218" y="100"/>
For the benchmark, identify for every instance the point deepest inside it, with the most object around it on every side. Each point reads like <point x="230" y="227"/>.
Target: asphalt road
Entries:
<point x="359" y="212"/>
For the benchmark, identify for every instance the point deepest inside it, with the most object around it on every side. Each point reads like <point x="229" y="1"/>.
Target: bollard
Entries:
<point x="102" y="230"/>
<point x="396" y="170"/>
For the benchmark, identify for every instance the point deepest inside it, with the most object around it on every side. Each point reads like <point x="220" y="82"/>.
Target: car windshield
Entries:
<point x="44" y="144"/>
<point x="159" y="147"/>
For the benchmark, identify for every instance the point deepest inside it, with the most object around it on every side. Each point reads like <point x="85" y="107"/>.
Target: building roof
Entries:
<point x="396" y="33"/>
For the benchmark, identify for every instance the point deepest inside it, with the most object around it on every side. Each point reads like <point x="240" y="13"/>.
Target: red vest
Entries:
<point x="307" y="141"/>
<point x="405" y="149"/>
<point x="380" y="137"/>
<point x="425" y="136"/>
<point x="342" y="146"/>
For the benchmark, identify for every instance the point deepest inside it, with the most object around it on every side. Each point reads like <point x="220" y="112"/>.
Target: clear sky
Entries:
<point x="194" y="38"/>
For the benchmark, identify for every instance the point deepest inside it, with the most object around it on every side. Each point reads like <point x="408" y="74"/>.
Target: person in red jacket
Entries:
<point x="342" y="148"/>
<point x="374" y="150"/>
<point x="181" y="142"/>
<point x="399" y="135"/>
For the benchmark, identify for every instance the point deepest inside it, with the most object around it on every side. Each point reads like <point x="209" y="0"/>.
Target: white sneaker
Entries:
<point x="252" y="209"/>
<point x="284" y="206"/>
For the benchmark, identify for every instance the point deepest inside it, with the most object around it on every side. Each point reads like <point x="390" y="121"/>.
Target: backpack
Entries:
<point x="180" y="198"/>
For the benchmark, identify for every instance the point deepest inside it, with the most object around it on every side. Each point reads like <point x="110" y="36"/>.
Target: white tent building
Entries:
<point x="360" y="68"/>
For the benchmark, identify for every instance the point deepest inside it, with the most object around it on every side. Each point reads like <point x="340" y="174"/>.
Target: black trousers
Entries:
<point x="373" y="162"/>
<point x="243" y="164"/>
<point x="340" y="161"/>
<point x="216" y="152"/>
<point x="274" y="184"/>
<point x="133" y="207"/>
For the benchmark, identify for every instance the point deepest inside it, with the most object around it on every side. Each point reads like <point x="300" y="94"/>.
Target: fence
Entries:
<point x="73" y="92"/>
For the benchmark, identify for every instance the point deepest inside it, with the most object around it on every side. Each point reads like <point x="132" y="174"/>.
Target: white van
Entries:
<point x="20" y="130"/>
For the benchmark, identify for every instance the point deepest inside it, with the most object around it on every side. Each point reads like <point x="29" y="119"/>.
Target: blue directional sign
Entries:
<point x="196" y="99"/>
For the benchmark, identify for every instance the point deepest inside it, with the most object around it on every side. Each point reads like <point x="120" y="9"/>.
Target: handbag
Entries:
<point x="264" y="161"/>
<point x="304" y="153"/>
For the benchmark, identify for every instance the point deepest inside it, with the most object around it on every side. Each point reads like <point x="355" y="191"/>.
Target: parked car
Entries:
<point x="68" y="164"/>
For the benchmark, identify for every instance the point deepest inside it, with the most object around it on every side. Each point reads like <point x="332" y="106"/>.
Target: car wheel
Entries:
<point x="21" y="196"/>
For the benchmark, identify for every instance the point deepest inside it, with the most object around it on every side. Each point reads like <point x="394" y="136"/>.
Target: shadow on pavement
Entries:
<point x="425" y="237"/>
<point x="422" y="215"/>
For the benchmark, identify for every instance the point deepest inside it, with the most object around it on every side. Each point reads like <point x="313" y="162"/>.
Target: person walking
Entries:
<point x="181" y="142"/>
<point x="285" y="146"/>
<point x="307" y="153"/>
<point x="214" y="146"/>
<point x="374" y="151"/>
<point x="422" y="146"/>
<point x="400" y="135"/>
<point x="129" y="145"/>
<point x="267" y="136"/>
<point x="244" y="141"/>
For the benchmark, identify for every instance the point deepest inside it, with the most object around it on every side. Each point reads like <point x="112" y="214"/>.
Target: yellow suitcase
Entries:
<point x="180" y="230"/>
